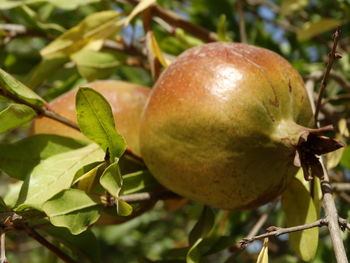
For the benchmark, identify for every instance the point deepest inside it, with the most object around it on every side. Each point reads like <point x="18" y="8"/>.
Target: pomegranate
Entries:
<point x="224" y="124"/>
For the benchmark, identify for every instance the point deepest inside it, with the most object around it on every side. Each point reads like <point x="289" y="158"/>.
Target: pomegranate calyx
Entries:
<point x="310" y="146"/>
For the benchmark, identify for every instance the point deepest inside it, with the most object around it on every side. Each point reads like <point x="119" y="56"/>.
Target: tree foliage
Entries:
<point x="94" y="201"/>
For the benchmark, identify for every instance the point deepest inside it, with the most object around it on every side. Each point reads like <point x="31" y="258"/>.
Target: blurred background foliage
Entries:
<point x="298" y="30"/>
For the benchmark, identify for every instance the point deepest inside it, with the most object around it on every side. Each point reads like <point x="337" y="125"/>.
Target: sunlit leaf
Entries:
<point x="97" y="26"/>
<point x="14" y="116"/>
<point x="55" y="174"/>
<point x="186" y="39"/>
<point x="345" y="160"/>
<point x="13" y="193"/>
<point x="221" y="29"/>
<point x="201" y="229"/>
<point x="263" y="256"/>
<point x="333" y="158"/>
<point x="314" y="28"/>
<point x="300" y="209"/>
<point x="290" y="6"/>
<point x="17" y="90"/>
<point x="123" y="208"/>
<point x="87" y="181"/>
<point x="112" y="180"/>
<point x="154" y="49"/>
<point x="142" y="5"/>
<point x="73" y="209"/>
<point x="18" y="159"/>
<point x="141" y="181"/>
<point x="96" y="122"/>
<point x="71" y="4"/>
<point x="96" y="65"/>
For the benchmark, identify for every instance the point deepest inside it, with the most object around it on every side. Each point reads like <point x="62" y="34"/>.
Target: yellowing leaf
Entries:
<point x="289" y="6"/>
<point x="87" y="181"/>
<point x="333" y="158"/>
<point x="314" y="28"/>
<point x="154" y="50"/>
<point x="142" y="5"/>
<point x="300" y="209"/>
<point x="95" y="27"/>
<point x="263" y="255"/>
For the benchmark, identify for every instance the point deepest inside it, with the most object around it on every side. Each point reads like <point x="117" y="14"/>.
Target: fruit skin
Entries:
<point x="126" y="99"/>
<point x="222" y="123"/>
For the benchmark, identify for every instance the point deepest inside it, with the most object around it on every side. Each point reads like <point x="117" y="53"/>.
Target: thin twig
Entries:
<point x="177" y="21"/>
<point x="44" y="111"/>
<point x="328" y="201"/>
<point x="340" y="187"/>
<point x="59" y="253"/>
<point x="280" y="231"/>
<point x="332" y="56"/>
<point x="147" y="196"/>
<point x="3" y="258"/>
<point x="242" y="29"/>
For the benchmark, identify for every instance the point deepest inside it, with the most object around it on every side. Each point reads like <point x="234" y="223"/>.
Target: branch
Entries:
<point x="44" y="111"/>
<point x="341" y="187"/>
<point x="242" y="29"/>
<point x="59" y="253"/>
<point x="147" y="196"/>
<point x="328" y="201"/>
<point x="276" y="231"/>
<point x="332" y="56"/>
<point x="3" y="258"/>
<point x="177" y="21"/>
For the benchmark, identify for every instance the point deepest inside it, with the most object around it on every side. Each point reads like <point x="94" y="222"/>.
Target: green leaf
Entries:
<point x="55" y="174"/>
<point x="8" y="4"/>
<point x="199" y="232"/>
<point x="221" y="29"/>
<point x="112" y="180"/>
<point x="46" y="67"/>
<point x="17" y="90"/>
<point x="96" y="122"/>
<point x="345" y="160"/>
<point x="86" y="176"/>
<point x="141" y="6"/>
<point x="12" y="194"/>
<point x="314" y="28"/>
<point x="71" y="4"/>
<point x="263" y="256"/>
<point x="290" y="6"/>
<point x="18" y="159"/>
<point x="32" y="18"/>
<point x="73" y="209"/>
<point x="14" y="116"/>
<point x="141" y="181"/>
<point x="95" y="27"/>
<point x="84" y="244"/>
<point x="3" y="206"/>
<point x="300" y="209"/>
<point x="123" y="208"/>
<point x="96" y="65"/>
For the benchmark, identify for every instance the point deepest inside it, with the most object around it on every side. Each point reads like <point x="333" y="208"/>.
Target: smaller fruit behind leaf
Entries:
<point x="126" y="99"/>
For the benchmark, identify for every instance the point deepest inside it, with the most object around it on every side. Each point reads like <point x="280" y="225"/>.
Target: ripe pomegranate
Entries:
<point x="223" y="124"/>
<point x="126" y="99"/>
